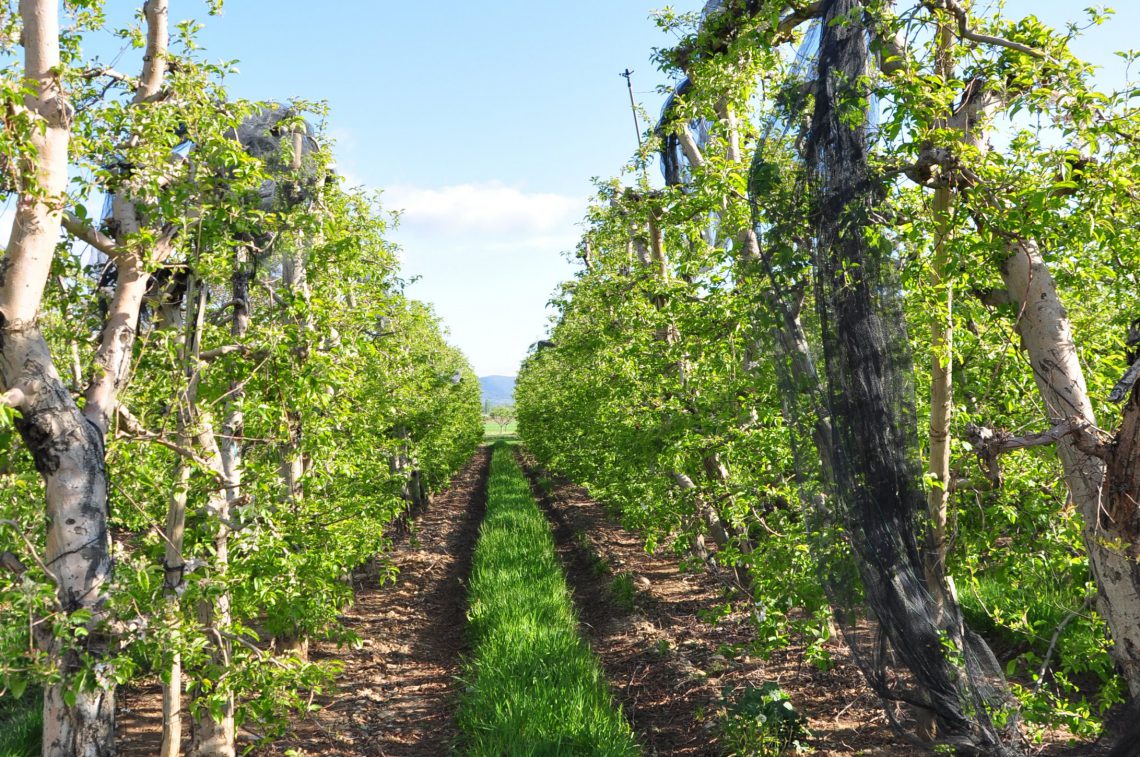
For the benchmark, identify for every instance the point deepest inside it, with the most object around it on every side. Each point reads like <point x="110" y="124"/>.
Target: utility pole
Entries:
<point x="627" y="74"/>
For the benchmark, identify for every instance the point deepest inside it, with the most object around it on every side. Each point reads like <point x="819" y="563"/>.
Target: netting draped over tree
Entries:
<point x="776" y="267"/>
<point x="909" y="650"/>
<point x="866" y="483"/>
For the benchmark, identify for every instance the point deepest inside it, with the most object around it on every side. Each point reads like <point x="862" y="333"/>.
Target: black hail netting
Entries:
<point x="867" y="483"/>
<point x="864" y="487"/>
<point x="908" y="649"/>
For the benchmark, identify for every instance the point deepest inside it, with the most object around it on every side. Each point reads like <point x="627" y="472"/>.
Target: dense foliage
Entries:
<point x="284" y="404"/>
<point x="672" y="384"/>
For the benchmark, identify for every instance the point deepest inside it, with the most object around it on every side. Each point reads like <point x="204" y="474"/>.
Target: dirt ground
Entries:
<point x="396" y="695"/>
<point x="666" y="665"/>
<point x="398" y="691"/>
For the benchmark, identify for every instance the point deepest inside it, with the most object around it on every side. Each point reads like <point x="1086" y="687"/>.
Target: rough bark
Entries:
<point x="66" y="448"/>
<point x="1123" y="512"/>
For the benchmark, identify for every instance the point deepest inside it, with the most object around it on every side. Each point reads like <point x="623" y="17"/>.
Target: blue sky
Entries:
<point x="485" y="122"/>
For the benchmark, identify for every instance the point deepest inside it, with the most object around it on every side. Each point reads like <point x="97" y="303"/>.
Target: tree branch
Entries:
<point x="132" y="430"/>
<point x="1056" y="637"/>
<point x="965" y="32"/>
<point x="988" y="443"/>
<point x="992" y="297"/>
<point x="155" y="59"/>
<point x="84" y="232"/>
<point x="12" y="564"/>
<point x="727" y="28"/>
<point x="31" y="551"/>
<point x="689" y="146"/>
<point x="95" y="73"/>
<point x="228" y="349"/>
<point x="1127" y="381"/>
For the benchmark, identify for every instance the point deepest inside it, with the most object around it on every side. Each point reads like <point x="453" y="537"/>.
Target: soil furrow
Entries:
<point x="668" y="668"/>
<point x="397" y="695"/>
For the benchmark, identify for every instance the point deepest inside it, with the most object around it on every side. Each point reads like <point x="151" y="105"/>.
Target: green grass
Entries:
<point x="623" y="591"/>
<point x="1024" y="617"/>
<point x="533" y="685"/>
<point x="492" y="432"/>
<point x="21" y="725"/>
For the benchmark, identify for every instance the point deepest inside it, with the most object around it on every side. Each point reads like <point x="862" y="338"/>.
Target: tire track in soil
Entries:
<point x="664" y="664"/>
<point x="397" y="695"/>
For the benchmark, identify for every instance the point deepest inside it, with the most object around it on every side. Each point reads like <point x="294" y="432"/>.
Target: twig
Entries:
<point x="11" y="563"/>
<point x="133" y="430"/>
<point x="95" y="73"/>
<point x="964" y="31"/>
<point x="228" y="349"/>
<point x="1056" y="637"/>
<point x="31" y="550"/>
<point x="151" y="521"/>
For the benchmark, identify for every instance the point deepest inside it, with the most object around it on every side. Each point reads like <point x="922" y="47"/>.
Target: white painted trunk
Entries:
<point x="66" y="448"/>
<point x="1047" y="336"/>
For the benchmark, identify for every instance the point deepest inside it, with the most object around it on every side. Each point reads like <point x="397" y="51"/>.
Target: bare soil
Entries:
<point x="397" y="693"/>
<point x="669" y="669"/>
<point x="667" y="666"/>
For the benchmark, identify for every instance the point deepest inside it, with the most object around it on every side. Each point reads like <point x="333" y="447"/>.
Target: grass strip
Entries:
<point x="21" y="725"/>
<point x="533" y="685"/>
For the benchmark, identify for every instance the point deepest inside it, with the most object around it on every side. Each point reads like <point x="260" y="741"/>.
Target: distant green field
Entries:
<point x="493" y="432"/>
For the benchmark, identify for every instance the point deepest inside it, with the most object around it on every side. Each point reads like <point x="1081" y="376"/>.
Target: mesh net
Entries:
<point x="912" y="647"/>
<point x="854" y="429"/>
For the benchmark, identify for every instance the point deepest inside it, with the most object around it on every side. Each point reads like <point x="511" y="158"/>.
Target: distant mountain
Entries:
<point x="498" y="390"/>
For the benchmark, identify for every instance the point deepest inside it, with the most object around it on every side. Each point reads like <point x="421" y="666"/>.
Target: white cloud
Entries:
<point x="488" y="208"/>
<point x="487" y="255"/>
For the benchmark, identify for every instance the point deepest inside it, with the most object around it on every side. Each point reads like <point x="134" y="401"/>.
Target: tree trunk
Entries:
<point x="1046" y="335"/>
<point x="174" y="566"/>
<point x="174" y="562"/>
<point x="296" y="283"/>
<point x="877" y="469"/>
<point x="67" y="449"/>
<point x="941" y="368"/>
<point x="213" y="733"/>
<point x="941" y="390"/>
